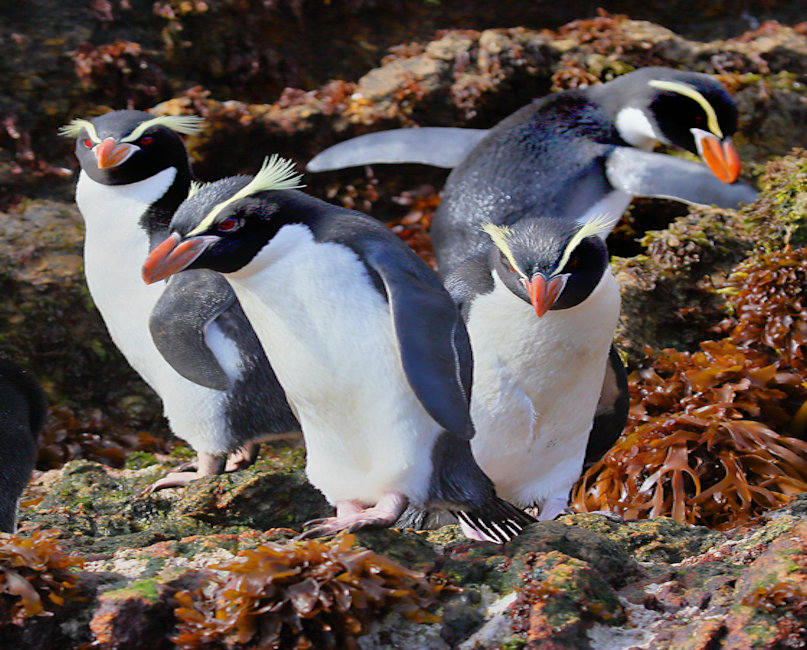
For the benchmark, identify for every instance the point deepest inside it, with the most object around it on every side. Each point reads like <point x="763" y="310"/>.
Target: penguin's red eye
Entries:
<point x="229" y="225"/>
<point x="146" y="140"/>
<point x="506" y="263"/>
<point x="88" y="143"/>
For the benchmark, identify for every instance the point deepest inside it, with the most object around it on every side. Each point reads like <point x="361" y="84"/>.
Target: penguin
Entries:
<point x="576" y="153"/>
<point x="367" y="343"/>
<point x="549" y="389"/>
<point x="188" y="339"/>
<point x="22" y="415"/>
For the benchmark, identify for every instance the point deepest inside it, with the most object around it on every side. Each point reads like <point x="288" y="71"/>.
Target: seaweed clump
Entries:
<point x="308" y="594"/>
<point x="35" y="575"/>
<point x="706" y="440"/>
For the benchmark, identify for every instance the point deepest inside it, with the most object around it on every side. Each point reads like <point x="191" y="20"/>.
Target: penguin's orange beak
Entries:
<point x="173" y="255"/>
<point x="110" y="154"/>
<point x="543" y="293"/>
<point x="720" y="155"/>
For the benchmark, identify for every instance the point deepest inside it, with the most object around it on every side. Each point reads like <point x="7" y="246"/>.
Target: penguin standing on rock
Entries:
<point x="549" y="391"/>
<point x="368" y="345"/>
<point x="517" y="240"/>
<point x="189" y="339"/>
<point x="22" y="414"/>
<point x="571" y="154"/>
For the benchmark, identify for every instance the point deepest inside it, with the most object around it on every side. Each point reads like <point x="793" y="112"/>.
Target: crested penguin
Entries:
<point x="188" y="339"/>
<point x="370" y="348"/>
<point x="575" y="153"/>
<point x="22" y="414"/>
<point x="549" y="391"/>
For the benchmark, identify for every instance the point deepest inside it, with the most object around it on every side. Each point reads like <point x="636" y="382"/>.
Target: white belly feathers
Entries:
<point x="536" y="386"/>
<point x="114" y="249"/>
<point x="329" y="336"/>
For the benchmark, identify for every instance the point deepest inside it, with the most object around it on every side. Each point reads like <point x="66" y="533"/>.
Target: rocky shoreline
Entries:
<point x="108" y="565"/>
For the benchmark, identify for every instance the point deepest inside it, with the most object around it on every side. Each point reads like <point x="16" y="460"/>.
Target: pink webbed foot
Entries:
<point x="206" y="465"/>
<point x="352" y="516"/>
<point x="243" y="457"/>
<point x="553" y="508"/>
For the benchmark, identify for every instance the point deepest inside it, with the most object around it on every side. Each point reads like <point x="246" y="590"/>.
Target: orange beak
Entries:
<point x="542" y="293"/>
<point x="720" y="155"/>
<point x="109" y="154"/>
<point x="173" y="255"/>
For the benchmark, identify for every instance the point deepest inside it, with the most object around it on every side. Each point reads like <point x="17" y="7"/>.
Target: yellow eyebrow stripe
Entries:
<point x="74" y="128"/>
<point x="185" y="124"/>
<point x="689" y="91"/>
<point x="276" y="173"/>
<point x="499" y="235"/>
<point x="593" y="226"/>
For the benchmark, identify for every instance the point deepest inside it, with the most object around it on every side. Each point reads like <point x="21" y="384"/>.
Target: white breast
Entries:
<point x="329" y="336"/>
<point x="115" y="247"/>
<point x="536" y="386"/>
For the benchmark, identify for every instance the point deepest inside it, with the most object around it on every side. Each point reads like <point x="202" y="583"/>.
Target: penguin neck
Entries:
<point x="118" y="235"/>
<point x="505" y="330"/>
<point x="156" y="219"/>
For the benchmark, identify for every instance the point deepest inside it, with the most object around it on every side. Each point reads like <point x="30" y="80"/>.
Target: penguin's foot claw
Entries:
<point x="212" y="464"/>
<point x="333" y="525"/>
<point x="243" y="457"/>
<point x="172" y="479"/>
<point x="351" y="517"/>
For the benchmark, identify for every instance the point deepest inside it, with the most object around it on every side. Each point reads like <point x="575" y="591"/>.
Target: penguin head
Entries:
<point x="223" y="225"/>
<point x="689" y="110"/>
<point x="550" y="263"/>
<point x="124" y="147"/>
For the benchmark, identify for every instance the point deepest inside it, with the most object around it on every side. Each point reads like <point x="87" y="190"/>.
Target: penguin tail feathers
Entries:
<point x="498" y="522"/>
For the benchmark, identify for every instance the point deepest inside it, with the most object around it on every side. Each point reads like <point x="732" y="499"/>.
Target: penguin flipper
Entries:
<point x="179" y="324"/>
<point x="471" y="278"/>
<point x="642" y="173"/>
<point x="428" y="145"/>
<point x="433" y="342"/>
<point x="612" y="410"/>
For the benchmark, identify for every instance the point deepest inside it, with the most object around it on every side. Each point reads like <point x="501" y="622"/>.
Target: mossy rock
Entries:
<point x="779" y="218"/>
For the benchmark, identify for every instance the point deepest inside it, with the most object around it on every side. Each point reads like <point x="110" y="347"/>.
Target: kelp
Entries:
<point x="305" y="594"/>
<point x="35" y="575"/>
<point x="707" y="436"/>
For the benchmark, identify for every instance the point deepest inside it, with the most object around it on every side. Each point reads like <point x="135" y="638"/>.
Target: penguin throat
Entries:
<point x="635" y="128"/>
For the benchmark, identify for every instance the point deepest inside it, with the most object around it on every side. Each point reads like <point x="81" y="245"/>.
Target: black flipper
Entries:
<point x="438" y="366"/>
<point x="471" y="279"/>
<point x="429" y="145"/>
<point x="457" y="479"/>
<point x="612" y="410"/>
<point x="22" y="414"/>
<point x="178" y="324"/>
<point x="642" y="173"/>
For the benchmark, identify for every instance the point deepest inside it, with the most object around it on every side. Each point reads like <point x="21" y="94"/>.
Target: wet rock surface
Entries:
<point x="145" y="569"/>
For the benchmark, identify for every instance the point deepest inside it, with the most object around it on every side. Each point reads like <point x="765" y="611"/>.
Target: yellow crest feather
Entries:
<point x="276" y="173"/>
<point x="74" y="128"/>
<point x="594" y="226"/>
<point x="195" y="187"/>
<point x="184" y="124"/>
<point x="499" y="235"/>
<point x="689" y="91"/>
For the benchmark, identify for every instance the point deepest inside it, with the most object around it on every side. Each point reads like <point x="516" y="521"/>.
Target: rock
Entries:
<point x="583" y="581"/>
<point x="668" y="297"/>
